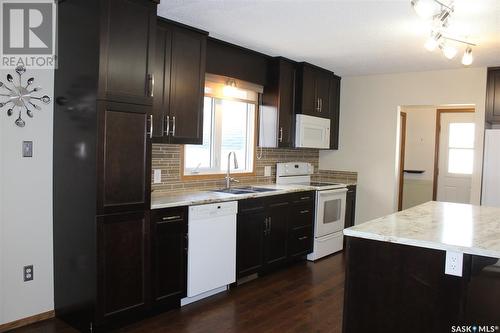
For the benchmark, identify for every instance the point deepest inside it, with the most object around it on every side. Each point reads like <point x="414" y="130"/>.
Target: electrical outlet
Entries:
<point x="157" y="176"/>
<point x="453" y="263"/>
<point x="267" y="171"/>
<point x="27" y="148"/>
<point x="28" y="273"/>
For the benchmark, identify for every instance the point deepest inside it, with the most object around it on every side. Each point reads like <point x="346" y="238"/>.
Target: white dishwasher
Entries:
<point x="211" y="249"/>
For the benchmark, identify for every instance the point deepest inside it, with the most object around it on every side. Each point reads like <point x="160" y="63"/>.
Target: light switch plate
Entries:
<point x="267" y="171"/>
<point x="157" y="176"/>
<point x="453" y="263"/>
<point x="27" y="148"/>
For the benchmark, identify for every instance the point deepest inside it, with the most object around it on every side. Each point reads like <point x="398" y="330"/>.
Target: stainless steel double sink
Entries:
<point x="245" y="190"/>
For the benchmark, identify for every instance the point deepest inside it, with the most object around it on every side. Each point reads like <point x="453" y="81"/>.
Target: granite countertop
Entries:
<point x="166" y="200"/>
<point x="438" y="225"/>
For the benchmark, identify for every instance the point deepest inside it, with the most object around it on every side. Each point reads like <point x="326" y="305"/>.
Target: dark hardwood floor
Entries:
<point x="307" y="297"/>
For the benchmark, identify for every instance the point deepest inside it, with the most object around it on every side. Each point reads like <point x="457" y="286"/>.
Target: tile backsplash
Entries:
<point x="168" y="159"/>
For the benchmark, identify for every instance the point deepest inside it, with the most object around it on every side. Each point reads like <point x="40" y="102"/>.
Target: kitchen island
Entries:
<point x="395" y="271"/>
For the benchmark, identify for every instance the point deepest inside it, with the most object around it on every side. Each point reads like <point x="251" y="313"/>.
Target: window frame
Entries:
<point x="222" y="175"/>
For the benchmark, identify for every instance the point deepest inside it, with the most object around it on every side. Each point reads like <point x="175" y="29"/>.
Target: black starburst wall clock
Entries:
<point x="19" y="97"/>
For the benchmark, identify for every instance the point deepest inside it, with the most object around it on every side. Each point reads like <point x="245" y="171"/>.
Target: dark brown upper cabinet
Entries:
<point x="334" y="105"/>
<point x="279" y="99"/>
<point x="493" y="96"/>
<point x="180" y="58"/>
<point x="127" y="49"/>
<point x="313" y="91"/>
<point x="123" y="161"/>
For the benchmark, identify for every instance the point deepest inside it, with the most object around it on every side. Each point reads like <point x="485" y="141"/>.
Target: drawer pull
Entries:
<point x="169" y="218"/>
<point x="305" y="211"/>
<point x="303" y="238"/>
<point x="305" y="198"/>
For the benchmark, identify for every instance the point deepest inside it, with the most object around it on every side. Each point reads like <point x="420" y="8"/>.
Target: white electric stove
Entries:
<point x="329" y="208"/>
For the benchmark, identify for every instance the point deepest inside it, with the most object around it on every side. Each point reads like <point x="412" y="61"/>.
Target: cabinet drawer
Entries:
<point x="169" y="214"/>
<point x="303" y="197"/>
<point x="302" y="216"/>
<point x="250" y="206"/>
<point x="300" y="241"/>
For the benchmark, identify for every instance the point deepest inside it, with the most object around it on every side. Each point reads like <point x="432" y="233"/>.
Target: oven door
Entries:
<point x="330" y="211"/>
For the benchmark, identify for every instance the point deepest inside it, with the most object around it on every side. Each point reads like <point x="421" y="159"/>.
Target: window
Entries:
<point x="228" y="125"/>
<point x="461" y="148"/>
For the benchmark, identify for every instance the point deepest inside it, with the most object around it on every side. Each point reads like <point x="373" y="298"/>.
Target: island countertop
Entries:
<point x="444" y="226"/>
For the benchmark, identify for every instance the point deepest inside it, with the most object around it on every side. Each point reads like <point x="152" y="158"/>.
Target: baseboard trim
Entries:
<point x="26" y="321"/>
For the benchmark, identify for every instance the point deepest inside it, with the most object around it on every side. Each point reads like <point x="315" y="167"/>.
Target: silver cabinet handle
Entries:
<point x="173" y="126"/>
<point x="304" y="198"/>
<point x="150" y="133"/>
<point x="305" y="211"/>
<point x="281" y="134"/>
<point x="265" y="226"/>
<point x="321" y="105"/>
<point x="270" y="225"/>
<point x="151" y="85"/>
<point x="169" y="218"/>
<point x="303" y="238"/>
<point x="167" y="132"/>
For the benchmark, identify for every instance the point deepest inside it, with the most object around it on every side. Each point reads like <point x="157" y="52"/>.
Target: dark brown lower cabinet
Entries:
<point x="350" y="207"/>
<point x="401" y="288"/>
<point x="123" y="265"/>
<point x="169" y="255"/>
<point x="272" y="231"/>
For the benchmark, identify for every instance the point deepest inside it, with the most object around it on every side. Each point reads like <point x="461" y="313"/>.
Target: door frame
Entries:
<point x="439" y="112"/>
<point x="402" y="149"/>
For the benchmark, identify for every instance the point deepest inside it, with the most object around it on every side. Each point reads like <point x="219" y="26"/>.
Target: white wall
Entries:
<point x="26" y="209"/>
<point x="370" y="125"/>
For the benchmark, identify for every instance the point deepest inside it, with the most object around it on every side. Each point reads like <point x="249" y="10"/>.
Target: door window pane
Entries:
<point x="461" y="135"/>
<point x="460" y="161"/>
<point x="332" y="211"/>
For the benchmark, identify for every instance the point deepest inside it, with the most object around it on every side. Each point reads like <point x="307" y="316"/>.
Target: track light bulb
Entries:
<point x="449" y="51"/>
<point x="433" y="42"/>
<point x="467" y="59"/>
<point x="424" y="8"/>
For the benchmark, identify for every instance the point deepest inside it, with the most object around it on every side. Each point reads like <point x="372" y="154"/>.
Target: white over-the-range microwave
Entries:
<point x="310" y="132"/>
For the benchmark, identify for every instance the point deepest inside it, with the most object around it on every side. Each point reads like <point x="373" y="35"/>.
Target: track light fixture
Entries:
<point x="441" y="13"/>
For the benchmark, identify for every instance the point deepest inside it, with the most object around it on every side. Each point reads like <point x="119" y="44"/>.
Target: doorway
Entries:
<point x="454" y="155"/>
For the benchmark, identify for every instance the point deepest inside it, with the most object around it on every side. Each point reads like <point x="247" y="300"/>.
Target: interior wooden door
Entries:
<point x="187" y="86"/>
<point x="456" y="157"/>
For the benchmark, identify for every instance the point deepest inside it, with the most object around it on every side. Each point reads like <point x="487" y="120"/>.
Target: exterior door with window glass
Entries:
<point x="456" y="157"/>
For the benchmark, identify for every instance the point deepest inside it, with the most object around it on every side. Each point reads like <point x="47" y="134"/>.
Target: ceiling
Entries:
<point x="349" y="37"/>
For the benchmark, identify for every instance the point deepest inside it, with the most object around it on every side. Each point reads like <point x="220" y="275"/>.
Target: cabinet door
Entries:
<point x="276" y="236"/>
<point x="187" y="86"/>
<point x="123" y="266"/>
<point x="127" y="44"/>
<point x="350" y="208"/>
<point x="493" y="96"/>
<point x="249" y="237"/>
<point x="161" y="91"/>
<point x="123" y="172"/>
<point x="169" y="255"/>
<point x="309" y="103"/>
<point x="286" y="115"/>
<point x="334" y="105"/>
<point x="323" y="93"/>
